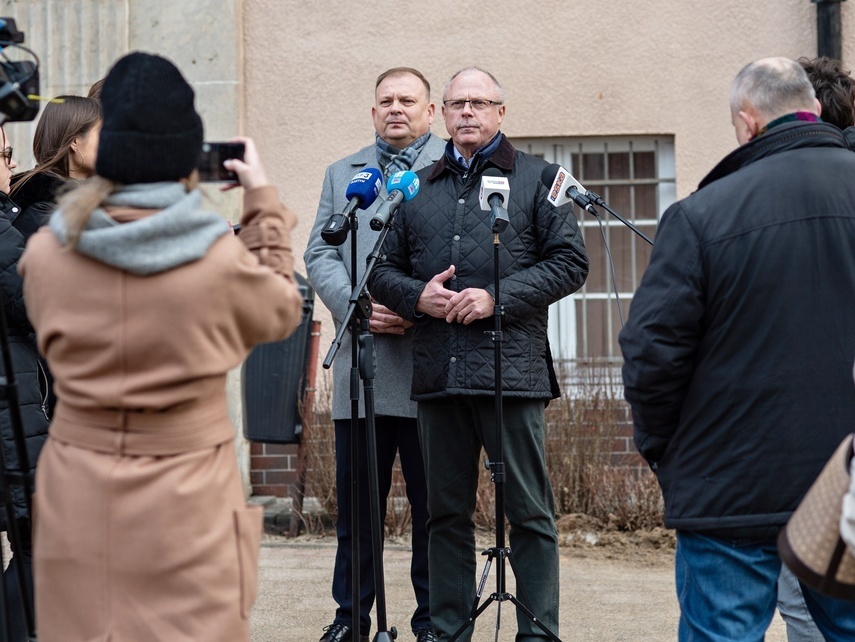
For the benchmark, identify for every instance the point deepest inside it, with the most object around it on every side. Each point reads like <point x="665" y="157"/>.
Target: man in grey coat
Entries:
<point x="402" y="115"/>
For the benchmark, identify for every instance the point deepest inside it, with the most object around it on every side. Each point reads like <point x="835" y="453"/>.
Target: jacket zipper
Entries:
<point x="44" y="401"/>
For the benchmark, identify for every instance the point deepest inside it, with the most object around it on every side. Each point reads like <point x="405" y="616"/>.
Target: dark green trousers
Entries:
<point x="453" y="431"/>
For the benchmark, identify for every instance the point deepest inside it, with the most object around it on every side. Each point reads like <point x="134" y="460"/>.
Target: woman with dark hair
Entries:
<point x="32" y="386"/>
<point x="65" y="146"/>
<point x="142" y="302"/>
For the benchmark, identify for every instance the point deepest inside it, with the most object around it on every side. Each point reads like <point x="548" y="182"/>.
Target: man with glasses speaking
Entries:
<point x="438" y="274"/>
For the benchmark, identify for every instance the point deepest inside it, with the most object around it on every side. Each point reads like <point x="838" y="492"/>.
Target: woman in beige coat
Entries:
<point x="141" y="303"/>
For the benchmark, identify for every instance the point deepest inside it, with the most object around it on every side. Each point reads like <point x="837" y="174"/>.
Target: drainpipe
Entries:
<point x="828" y="39"/>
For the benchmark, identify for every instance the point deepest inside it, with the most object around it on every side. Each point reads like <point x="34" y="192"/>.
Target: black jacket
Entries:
<point x="37" y="200"/>
<point x="29" y="376"/>
<point x="741" y="337"/>
<point x="542" y="259"/>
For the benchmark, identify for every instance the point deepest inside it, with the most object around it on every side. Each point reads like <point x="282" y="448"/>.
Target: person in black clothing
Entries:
<point x="738" y="353"/>
<point x="65" y="146"/>
<point x="32" y="391"/>
<point x="438" y="274"/>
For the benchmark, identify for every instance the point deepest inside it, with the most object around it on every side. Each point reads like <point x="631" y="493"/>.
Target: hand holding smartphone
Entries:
<point x="211" y="168"/>
<point x="235" y="162"/>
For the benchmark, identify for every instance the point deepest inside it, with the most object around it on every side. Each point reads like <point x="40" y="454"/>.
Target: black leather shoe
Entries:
<point x="426" y="635"/>
<point x="338" y="632"/>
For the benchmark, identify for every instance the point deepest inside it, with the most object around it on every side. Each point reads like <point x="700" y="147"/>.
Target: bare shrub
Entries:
<point x="320" y="459"/>
<point x="583" y="428"/>
<point x="626" y="498"/>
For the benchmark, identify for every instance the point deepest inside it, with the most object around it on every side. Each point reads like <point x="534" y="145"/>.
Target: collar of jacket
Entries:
<point x="8" y="207"/>
<point x="782" y="138"/>
<point x="41" y="186"/>
<point x="503" y="158"/>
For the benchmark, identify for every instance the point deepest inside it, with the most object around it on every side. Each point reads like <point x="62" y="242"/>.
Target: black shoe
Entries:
<point x="426" y="635"/>
<point x="338" y="632"/>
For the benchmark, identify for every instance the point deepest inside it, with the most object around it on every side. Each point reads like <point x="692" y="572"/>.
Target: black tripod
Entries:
<point x="499" y="552"/>
<point x="17" y="530"/>
<point x="363" y="364"/>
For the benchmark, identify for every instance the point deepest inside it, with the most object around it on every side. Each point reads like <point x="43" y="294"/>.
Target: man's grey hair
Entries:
<point x="774" y="87"/>
<point x="499" y="90"/>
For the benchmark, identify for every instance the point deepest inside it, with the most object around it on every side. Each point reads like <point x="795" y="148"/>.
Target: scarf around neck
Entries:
<point x="802" y="116"/>
<point x="179" y="233"/>
<point x="391" y="159"/>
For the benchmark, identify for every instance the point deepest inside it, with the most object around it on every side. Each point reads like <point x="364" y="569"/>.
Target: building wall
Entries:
<point x="78" y="40"/>
<point x="568" y="69"/>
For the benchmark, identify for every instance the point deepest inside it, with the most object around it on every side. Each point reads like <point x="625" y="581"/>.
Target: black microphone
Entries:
<point x="493" y="194"/>
<point x="563" y="188"/>
<point x="362" y="191"/>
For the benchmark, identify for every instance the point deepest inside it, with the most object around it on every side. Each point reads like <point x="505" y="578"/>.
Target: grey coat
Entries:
<point x="328" y="270"/>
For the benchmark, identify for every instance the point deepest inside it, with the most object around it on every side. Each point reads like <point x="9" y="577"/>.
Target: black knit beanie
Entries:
<point x="151" y="131"/>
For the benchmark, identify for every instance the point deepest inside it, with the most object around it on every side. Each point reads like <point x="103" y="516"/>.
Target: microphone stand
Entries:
<point x="596" y="199"/>
<point x="363" y="365"/>
<point x="500" y="551"/>
<point x="21" y="478"/>
<point x="587" y="201"/>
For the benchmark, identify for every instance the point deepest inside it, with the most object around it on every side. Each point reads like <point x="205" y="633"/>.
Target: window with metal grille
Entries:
<point x="635" y="176"/>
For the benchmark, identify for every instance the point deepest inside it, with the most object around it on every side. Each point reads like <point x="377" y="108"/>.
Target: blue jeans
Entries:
<point x="727" y="591"/>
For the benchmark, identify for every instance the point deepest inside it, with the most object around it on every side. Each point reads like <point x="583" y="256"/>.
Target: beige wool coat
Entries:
<point x="141" y="531"/>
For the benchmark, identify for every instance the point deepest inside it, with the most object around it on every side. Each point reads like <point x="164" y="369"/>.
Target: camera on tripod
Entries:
<point x="20" y="78"/>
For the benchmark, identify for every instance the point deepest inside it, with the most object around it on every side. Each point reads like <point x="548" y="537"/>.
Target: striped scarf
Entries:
<point x="391" y="159"/>
<point x="804" y="116"/>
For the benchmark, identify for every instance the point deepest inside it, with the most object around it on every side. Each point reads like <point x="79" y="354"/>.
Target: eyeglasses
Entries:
<point x="7" y="154"/>
<point x="477" y="104"/>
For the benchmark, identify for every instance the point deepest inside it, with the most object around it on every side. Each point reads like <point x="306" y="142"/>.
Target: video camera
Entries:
<point x="20" y="79"/>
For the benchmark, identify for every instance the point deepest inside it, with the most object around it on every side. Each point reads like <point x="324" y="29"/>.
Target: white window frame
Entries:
<point x="562" y="315"/>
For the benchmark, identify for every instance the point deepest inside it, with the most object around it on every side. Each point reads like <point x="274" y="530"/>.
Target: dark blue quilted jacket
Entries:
<point x="542" y="259"/>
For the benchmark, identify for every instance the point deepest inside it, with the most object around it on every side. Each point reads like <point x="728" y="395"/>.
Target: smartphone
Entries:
<point x="211" y="161"/>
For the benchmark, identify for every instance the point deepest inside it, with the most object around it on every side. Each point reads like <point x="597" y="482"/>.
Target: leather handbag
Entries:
<point x="810" y="544"/>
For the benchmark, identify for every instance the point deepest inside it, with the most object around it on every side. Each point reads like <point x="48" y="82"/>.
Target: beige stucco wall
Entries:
<point x="568" y="69"/>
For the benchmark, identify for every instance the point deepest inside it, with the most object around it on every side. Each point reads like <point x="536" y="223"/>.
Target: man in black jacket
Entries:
<point x="739" y="349"/>
<point x="439" y="274"/>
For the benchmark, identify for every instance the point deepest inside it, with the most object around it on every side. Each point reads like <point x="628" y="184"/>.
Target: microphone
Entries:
<point x="563" y="188"/>
<point x="494" y="193"/>
<point x="362" y="191"/>
<point x="402" y="187"/>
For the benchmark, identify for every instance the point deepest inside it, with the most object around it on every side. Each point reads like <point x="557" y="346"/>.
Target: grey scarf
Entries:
<point x="181" y="232"/>
<point x="391" y="159"/>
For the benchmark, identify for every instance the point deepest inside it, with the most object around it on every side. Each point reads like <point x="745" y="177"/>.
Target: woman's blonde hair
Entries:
<point x="78" y="204"/>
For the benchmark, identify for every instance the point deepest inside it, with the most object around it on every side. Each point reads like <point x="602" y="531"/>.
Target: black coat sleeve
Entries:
<point x="661" y="336"/>
<point x="12" y="287"/>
